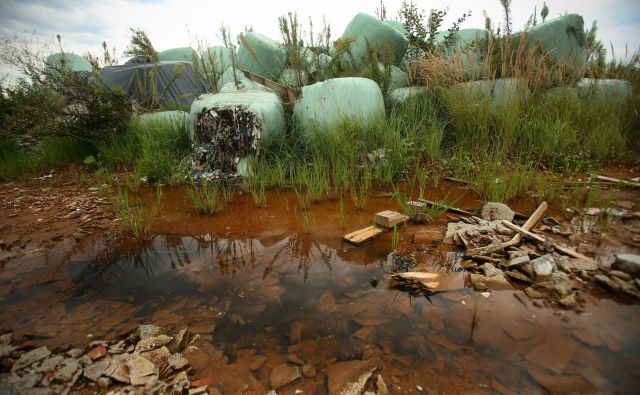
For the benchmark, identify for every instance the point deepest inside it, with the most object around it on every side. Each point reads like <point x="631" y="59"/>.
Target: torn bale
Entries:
<point x="231" y="126"/>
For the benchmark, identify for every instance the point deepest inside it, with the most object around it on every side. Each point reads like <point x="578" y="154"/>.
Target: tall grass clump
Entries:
<point x="137" y="217"/>
<point x="209" y="197"/>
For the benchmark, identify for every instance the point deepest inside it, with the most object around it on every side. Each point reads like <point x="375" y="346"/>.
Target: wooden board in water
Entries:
<point x="363" y="235"/>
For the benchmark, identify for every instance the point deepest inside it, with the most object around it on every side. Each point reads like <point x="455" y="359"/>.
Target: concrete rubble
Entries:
<point x="144" y="361"/>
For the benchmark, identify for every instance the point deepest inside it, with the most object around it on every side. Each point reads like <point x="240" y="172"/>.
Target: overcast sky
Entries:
<point x="85" y="24"/>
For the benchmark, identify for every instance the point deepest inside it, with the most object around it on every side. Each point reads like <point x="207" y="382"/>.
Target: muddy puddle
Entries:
<point x="272" y="282"/>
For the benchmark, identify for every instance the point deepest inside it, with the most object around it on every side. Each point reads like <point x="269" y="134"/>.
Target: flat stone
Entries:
<point x="575" y="264"/>
<point x="308" y="370"/>
<point x="565" y="384"/>
<point x="69" y="368"/>
<point x="532" y="293"/>
<point x="145" y="331"/>
<point x="426" y="236"/>
<point x="493" y="211"/>
<point x="49" y="364"/>
<point x="294" y="359"/>
<point x="104" y="382"/>
<point x="6" y="339"/>
<point x="282" y="375"/>
<point x="95" y="371"/>
<point x="490" y="270"/>
<point x="31" y="357"/>
<point x="381" y="386"/>
<point x="75" y="353"/>
<point x="568" y="301"/>
<point x="543" y="266"/>
<point x="588" y="337"/>
<point x="621" y="275"/>
<point x="6" y="350"/>
<point x="257" y="362"/>
<point x="118" y="369"/>
<point x="350" y="377"/>
<point x="628" y="263"/>
<point x="153" y="342"/>
<point x="517" y="276"/>
<point x="177" y="362"/>
<point x="484" y="283"/>
<point x="554" y="352"/>
<point x="97" y="352"/>
<point x="518" y="261"/>
<point x="158" y="356"/>
<point x="141" y="370"/>
<point x="295" y="335"/>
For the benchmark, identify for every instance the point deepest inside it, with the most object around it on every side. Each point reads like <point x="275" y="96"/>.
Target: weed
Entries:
<point x="209" y="197"/>
<point x="395" y="239"/>
<point x="360" y="188"/>
<point x="136" y="217"/>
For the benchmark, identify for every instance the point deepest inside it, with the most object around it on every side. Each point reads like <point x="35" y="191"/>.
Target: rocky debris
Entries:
<point x="497" y="211"/>
<point x="282" y="375"/>
<point x="308" y="370"/>
<point x="257" y="363"/>
<point x="131" y="364"/>
<point x="426" y="236"/>
<point x="350" y="377"/>
<point x="295" y="334"/>
<point x="628" y="263"/>
<point x="484" y="283"/>
<point x="542" y="267"/>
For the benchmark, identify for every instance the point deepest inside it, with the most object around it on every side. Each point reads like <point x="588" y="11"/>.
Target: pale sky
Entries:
<point x="85" y="24"/>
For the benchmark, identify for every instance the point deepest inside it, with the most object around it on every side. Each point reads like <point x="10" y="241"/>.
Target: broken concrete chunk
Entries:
<point x="518" y="261"/>
<point x="177" y="362"/>
<point x="151" y="343"/>
<point x="490" y="270"/>
<point x="145" y="331"/>
<point x="350" y="377"/>
<point x="484" y="283"/>
<point x="493" y="211"/>
<point x="96" y="370"/>
<point x="543" y="266"/>
<point x="628" y="263"/>
<point x="282" y="375"/>
<point x="31" y="357"/>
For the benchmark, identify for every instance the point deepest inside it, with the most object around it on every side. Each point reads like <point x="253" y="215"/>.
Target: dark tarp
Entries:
<point x="135" y="79"/>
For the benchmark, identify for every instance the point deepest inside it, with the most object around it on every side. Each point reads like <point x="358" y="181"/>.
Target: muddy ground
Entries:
<point x="278" y="301"/>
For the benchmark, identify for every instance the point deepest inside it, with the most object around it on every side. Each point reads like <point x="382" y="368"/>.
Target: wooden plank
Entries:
<point x="281" y="89"/>
<point x="361" y="236"/>
<point x="617" y="181"/>
<point x="389" y="219"/>
<point x="540" y="239"/>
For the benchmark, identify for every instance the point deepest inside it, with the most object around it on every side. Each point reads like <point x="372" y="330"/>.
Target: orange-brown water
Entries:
<point x="256" y="273"/>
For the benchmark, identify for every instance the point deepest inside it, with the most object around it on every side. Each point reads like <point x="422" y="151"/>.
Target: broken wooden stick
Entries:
<point x="528" y="225"/>
<point x="540" y="239"/>
<point x="617" y="181"/>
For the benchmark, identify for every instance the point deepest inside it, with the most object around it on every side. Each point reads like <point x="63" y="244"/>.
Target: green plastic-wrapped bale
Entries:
<point x="261" y="56"/>
<point x="398" y="25"/>
<point x="607" y="89"/>
<point x="183" y="54"/>
<point x="230" y="126"/>
<point x="503" y="91"/>
<point x="563" y="38"/>
<point x="217" y="59"/>
<point x="153" y="120"/>
<point x="328" y="102"/>
<point x="69" y="61"/>
<point x="367" y="31"/>
<point x="461" y="38"/>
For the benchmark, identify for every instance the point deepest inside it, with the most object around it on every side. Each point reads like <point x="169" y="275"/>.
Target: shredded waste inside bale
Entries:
<point x="222" y="138"/>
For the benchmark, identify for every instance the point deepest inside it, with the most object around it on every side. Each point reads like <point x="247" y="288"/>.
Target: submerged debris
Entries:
<point x="144" y="361"/>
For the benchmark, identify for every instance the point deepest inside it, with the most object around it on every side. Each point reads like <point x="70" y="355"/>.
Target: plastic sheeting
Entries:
<point x="70" y="61"/>
<point x="462" y="38"/>
<point x="149" y="120"/>
<point x="183" y="54"/>
<point x="401" y="95"/>
<point x="603" y="89"/>
<point x="136" y="80"/>
<point x="328" y="102"/>
<point x="230" y="126"/>
<point x="263" y="56"/>
<point x="502" y="91"/>
<point x="366" y="29"/>
<point x="563" y="38"/>
<point x="399" y="26"/>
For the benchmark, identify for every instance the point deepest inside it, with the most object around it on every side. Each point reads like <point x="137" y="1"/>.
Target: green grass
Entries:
<point x="136" y="217"/>
<point x="209" y="197"/>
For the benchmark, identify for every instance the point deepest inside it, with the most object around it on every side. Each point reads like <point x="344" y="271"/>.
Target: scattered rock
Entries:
<point x="31" y="357"/>
<point x="517" y="276"/>
<point x="350" y="378"/>
<point x="282" y="375"/>
<point x="104" y="382"/>
<point x="490" y="270"/>
<point x="177" y="362"/>
<point x="294" y="359"/>
<point x="295" y="335"/>
<point x="518" y="261"/>
<point x="257" y="363"/>
<point x="484" y="283"/>
<point x="543" y="266"/>
<point x="373" y="280"/>
<point x="381" y="386"/>
<point x="628" y="263"/>
<point x="94" y="371"/>
<point x="145" y="331"/>
<point x="568" y="301"/>
<point x="141" y="371"/>
<point x="308" y="370"/>
<point x="570" y="265"/>
<point x="532" y="293"/>
<point x="426" y="236"/>
<point x="97" y="352"/>
<point x="493" y="211"/>
<point x="621" y="275"/>
<point x="153" y="342"/>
